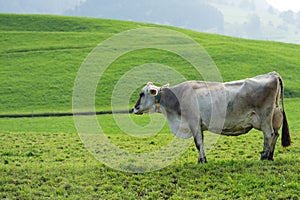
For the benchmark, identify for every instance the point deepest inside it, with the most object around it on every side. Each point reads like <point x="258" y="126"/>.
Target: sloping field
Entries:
<point x="41" y="55"/>
<point x="44" y="158"/>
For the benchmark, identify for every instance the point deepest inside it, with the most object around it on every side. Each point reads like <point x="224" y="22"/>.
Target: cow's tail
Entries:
<point x="285" y="137"/>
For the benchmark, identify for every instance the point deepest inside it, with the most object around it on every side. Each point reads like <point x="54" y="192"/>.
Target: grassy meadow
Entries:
<point x="44" y="158"/>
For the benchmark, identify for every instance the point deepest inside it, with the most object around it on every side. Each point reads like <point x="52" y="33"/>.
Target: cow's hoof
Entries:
<point x="270" y="157"/>
<point x="202" y="160"/>
<point x="264" y="156"/>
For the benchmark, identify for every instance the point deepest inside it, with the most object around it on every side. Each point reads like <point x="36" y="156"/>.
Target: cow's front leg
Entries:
<point x="199" y="142"/>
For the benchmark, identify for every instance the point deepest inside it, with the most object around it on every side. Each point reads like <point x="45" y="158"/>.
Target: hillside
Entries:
<point x="41" y="55"/>
<point x="48" y="157"/>
<point x="189" y="14"/>
<point x="252" y="19"/>
<point x="259" y="20"/>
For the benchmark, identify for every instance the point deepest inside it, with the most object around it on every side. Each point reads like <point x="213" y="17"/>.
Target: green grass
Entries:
<point x="44" y="158"/>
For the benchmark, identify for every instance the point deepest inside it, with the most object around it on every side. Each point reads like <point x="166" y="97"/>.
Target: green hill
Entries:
<point x="45" y="158"/>
<point x="41" y="55"/>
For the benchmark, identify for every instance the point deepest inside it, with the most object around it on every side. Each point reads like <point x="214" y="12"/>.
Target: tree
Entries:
<point x="253" y="27"/>
<point x="298" y="19"/>
<point x="271" y="10"/>
<point x="248" y="5"/>
<point x="288" y="16"/>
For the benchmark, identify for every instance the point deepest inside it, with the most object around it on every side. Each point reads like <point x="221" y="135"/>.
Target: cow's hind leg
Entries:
<point x="270" y="138"/>
<point x="199" y="142"/>
<point x="272" y="147"/>
<point x="267" y="142"/>
<point x="277" y="122"/>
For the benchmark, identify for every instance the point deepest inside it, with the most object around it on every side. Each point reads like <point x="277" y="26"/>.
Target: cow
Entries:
<point x="230" y="108"/>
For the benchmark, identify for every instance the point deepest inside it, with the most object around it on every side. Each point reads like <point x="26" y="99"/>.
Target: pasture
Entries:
<point x="44" y="158"/>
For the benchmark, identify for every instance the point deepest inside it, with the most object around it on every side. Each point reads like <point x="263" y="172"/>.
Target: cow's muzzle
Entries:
<point x="137" y="111"/>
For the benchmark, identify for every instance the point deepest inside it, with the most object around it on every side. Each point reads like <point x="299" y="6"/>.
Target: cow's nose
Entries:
<point x="136" y="110"/>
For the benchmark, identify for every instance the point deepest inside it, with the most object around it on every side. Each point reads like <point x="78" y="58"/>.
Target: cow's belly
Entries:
<point x="241" y="125"/>
<point x="237" y="130"/>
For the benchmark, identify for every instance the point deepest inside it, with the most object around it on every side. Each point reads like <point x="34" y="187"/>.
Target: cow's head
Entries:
<point x="149" y="96"/>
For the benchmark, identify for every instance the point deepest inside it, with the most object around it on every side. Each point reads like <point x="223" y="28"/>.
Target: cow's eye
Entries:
<point x="142" y="94"/>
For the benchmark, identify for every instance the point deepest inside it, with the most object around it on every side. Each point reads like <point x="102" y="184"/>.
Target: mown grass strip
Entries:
<point x="63" y="114"/>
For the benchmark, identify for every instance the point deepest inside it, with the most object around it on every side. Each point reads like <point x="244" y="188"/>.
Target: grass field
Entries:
<point x="41" y="55"/>
<point x="44" y="158"/>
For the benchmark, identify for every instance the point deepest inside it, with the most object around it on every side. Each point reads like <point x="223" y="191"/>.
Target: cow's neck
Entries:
<point x="169" y="101"/>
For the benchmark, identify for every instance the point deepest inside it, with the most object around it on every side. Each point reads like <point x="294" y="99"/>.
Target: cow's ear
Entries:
<point x="166" y="86"/>
<point x="153" y="91"/>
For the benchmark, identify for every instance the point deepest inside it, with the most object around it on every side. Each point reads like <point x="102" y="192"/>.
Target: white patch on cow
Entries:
<point x="135" y="111"/>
